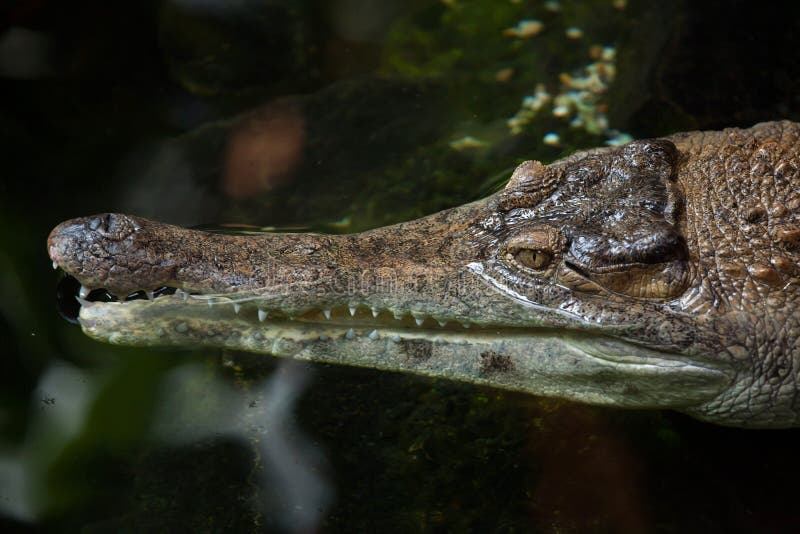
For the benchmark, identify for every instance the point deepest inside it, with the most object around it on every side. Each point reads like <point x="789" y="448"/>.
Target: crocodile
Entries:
<point x="658" y="274"/>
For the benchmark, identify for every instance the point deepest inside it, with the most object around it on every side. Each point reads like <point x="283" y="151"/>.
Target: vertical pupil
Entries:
<point x="535" y="259"/>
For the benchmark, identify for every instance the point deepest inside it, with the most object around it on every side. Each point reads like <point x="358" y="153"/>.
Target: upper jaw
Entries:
<point x="417" y="275"/>
<point x="402" y="271"/>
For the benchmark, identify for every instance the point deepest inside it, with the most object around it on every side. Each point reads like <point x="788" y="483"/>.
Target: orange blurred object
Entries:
<point x="264" y="149"/>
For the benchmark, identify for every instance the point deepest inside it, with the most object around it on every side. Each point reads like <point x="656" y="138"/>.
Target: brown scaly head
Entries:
<point x="660" y="274"/>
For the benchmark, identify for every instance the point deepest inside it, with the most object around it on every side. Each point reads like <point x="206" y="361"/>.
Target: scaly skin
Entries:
<point x="661" y="274"/>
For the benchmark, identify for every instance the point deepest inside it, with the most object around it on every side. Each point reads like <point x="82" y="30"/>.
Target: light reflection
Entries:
<point x="193" y="405"/>
<point x="294" y="490"/>
<point x="61" y="404"/>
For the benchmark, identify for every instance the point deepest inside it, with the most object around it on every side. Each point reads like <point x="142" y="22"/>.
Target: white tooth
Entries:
<point x="323" y="337"/>
<point x="150" y="295"/>
<point x="350" y="334"/>
<point x="326" y="313"/>
<point x="55" y="265"/>
<point x="236" y="307"/>
<point x="210" y="303"/>
<point x="375" y="312"/>
<point x="374" y="334"/>
<point x="185" y="296"/>
<point x="398" y="316"/>
<point x="396" y="338"/>
<point x="465" y="325"/>
<point x="84" y="303"/>
<point x="84" y="292"/>
<point x="262" y="315"/>
<point x="419" y="320"/>
<point x="442" y="323"/>
<point x="352" y="310"/>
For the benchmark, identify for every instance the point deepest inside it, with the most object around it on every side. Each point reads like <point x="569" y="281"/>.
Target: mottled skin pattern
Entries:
<point x="660" y="274"/>
<point x="744" y="230"/>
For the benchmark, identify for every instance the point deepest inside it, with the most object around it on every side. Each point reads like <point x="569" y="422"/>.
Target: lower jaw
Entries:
<point x="145" y="322"/>
<point x="539" y="361"/>
<point x="585" y="366"/>
<point x="172" y="321"/>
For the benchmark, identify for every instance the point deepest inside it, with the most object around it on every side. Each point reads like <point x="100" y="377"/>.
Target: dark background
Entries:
<point x="118" y="79"/>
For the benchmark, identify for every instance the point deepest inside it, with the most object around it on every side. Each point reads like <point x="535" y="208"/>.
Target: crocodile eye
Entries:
<point x="533" y="259"/>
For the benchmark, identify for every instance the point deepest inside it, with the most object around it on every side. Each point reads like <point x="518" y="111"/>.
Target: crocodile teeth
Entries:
<point x="210" y="302"/>
<point x="150" y="295"/>
<point x="395" y="338"/>
<point x="236" y="307"/>
<point x="323" y="337"/>
<point x="262" y="315"/>
<point x="327" y="313"/>
<point x="442" y="323"/>
<point x="375" y="312"/>
<point x="84" y="303"/>
<point x="419" y="320"/>
<point x="55" y="265"/>
<point x="374" y="334"/>
<point x="398" y="316"/>
<point x="83" y="292"/>
<point x="352" y="310"/>
<point x="350" y="334"/>
<point x="465" y="325"/>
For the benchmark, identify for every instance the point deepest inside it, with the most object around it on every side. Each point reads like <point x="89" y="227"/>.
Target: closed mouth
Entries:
<point x="72" y="296"/>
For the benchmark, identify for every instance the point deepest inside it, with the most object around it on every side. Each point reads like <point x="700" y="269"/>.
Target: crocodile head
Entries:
<point x="605" y="277"/>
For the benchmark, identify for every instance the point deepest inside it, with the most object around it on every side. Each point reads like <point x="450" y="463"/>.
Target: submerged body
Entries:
<point x="661" y="274"/>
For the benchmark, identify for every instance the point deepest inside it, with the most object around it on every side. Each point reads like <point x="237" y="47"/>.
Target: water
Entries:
<point x="351" y="114"/>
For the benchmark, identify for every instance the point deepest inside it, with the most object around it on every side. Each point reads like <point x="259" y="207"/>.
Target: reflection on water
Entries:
<point x="289" y="469"/>
<point x="342" y="116"/>
<point x="288" y="473"/>
<point x="60" y="408"/>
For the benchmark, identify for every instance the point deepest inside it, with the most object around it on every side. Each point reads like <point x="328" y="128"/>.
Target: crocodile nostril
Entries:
<point x="104" y="223"/>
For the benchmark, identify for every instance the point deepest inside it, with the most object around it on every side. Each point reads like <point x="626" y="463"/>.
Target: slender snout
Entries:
<point x="117" y="252"/>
